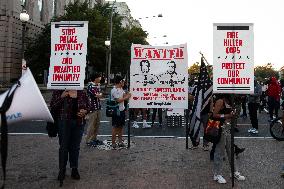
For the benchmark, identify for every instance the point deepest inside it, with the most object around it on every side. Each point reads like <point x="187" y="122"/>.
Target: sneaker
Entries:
<point x="113" y="146"/>
<point x="244" y="116"/>
<point x="146" y="125"/>
<point x="206" y="147"/>
<point x="220" y="179"/>
<point x="238" y="176"/>
<point x="99" y="142"/>
<point x="75" y="174"/>
<point x="254" y="131"/>
<point x="250" y="130"/>
<point x="193" y="147"/>
<point x="135" y="125"/>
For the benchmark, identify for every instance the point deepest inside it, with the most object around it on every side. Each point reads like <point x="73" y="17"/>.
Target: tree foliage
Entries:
<point x="194" y="69"/>
<point x="38" y="51"/>
<point x="263" y="73"/>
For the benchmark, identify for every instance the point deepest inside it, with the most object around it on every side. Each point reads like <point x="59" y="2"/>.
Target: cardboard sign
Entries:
<point x="68" y="55"/>
<point x="233" y="58"/>
<point x="158" y="76"/>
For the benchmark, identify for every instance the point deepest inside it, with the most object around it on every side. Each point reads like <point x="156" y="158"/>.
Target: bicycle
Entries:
<point x="277" y="129"/>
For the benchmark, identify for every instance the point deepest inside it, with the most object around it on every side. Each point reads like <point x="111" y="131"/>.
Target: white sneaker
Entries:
<point x="135" y="125"/>
<point x="146" y="125"/>
<point x="255" y="131"/>
<point x="220" y="179"/>
<point x="251" y="129"/>
<point x="238" y="176"/>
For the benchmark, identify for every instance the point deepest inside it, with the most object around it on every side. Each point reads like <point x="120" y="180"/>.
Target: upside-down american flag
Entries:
<point x="202" y="97"/>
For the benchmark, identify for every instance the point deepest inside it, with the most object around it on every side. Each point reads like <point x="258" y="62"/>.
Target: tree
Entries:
<point x="263" y="73"/>
<point x="38" y="51"/>
<point x="194" y="69"/>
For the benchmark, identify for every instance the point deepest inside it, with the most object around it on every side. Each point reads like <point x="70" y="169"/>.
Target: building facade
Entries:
<point x="123" y="10"/>
<point x="40" y="12"/>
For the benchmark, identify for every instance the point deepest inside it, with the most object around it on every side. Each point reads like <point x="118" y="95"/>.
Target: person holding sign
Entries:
<point x="118" y="118"/>
<point x="72" y="106"/>
<point x="223" y="112"/>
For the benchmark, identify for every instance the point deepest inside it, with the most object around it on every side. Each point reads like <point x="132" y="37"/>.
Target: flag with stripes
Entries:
<point x="202" y="97"/>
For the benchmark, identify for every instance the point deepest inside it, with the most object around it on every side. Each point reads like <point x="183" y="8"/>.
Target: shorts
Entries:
<point x="118" y="121"/>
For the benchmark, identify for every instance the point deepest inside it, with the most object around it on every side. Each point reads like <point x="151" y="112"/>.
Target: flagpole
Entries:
<point x="204" y="58"/>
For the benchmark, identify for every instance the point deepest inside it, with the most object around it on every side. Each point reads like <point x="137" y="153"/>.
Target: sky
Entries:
<point x="191" y="22"/>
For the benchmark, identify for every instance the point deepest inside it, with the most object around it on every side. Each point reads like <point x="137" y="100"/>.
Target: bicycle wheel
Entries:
<point x="277" y="129"/>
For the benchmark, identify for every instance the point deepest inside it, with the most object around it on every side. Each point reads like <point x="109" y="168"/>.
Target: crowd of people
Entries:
<point x="74" y="109"/>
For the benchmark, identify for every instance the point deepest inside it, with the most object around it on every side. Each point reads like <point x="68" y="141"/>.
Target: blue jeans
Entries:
<point x="70" y="135"/>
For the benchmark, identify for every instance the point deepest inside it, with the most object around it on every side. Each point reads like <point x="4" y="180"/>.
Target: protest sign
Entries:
<point x="233" y="59"/>
<point x="68" y="55"/>
<point x="158" y="76"/>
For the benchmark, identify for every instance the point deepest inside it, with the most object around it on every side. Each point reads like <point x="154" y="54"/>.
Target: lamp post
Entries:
<point x="109" y="49"/>
<point x="24" y="17"/>
<point x="107" y="44"/>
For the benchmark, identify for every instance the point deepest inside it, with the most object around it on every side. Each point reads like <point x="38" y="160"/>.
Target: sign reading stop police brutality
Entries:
<point x="158" y="76"/>
<point x="233" y="62"/>
<point x="68" y="55"/>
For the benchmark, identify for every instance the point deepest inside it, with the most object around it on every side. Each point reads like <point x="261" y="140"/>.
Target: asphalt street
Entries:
<point x="164" y="131"/>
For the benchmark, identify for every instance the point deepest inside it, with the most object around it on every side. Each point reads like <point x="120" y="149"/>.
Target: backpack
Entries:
<point x="112" y="107"/>
<point x="213" y="131"/>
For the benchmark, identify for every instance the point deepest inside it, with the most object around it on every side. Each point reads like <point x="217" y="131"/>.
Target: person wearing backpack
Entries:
<point x="223" y="112"/>
<point x="94" y="117"/>
<point x="118" y="117"/>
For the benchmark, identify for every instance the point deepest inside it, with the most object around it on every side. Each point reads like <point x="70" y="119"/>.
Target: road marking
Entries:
<point x="142" y="136"/>
<point x="243" y="124"/>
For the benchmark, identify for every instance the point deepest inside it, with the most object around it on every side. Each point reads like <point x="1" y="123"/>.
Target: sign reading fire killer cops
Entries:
<point x="233" y="61"/>
<point x="68" y="55"/>
<point x="158" y="76"/>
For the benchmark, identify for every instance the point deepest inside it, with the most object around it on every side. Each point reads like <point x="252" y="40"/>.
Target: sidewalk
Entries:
<point x="153" y="163"/>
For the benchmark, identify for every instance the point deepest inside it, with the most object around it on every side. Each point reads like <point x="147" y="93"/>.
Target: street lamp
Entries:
<point x="24" y="17"/>
<point x="107" y="44"/>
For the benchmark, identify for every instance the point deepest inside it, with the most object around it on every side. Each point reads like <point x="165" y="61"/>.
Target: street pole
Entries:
<point x="24" y="17"/>
<point x="110" y="39"/>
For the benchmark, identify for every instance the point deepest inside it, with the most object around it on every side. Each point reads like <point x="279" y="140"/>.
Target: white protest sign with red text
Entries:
<point x="158" y="76"/>
<point x="68" y="55"/>
<point x="233" y="58"/>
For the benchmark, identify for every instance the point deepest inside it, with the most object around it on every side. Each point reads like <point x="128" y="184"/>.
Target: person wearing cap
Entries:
<point x="118" y="118"/>
<point x="94" y="117"/>
<point x="253" y="105"/>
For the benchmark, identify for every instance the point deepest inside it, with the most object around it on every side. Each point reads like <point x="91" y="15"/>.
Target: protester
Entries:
<point x="72" y="106"/>
<point x="223" y="112"/>
<point x="244" y="106"/>
<point x="273" y="93"/>
<point x="253" y="105"/>
<point x="204" y="116"/>
<point x="144" y="117"/>
<point x="118" y="118"/>
<point x="94" y="117"/>
<point x="160" y="115"/>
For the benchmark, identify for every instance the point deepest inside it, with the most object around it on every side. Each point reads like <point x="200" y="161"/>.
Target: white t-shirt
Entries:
<point x="117" y="93"/>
